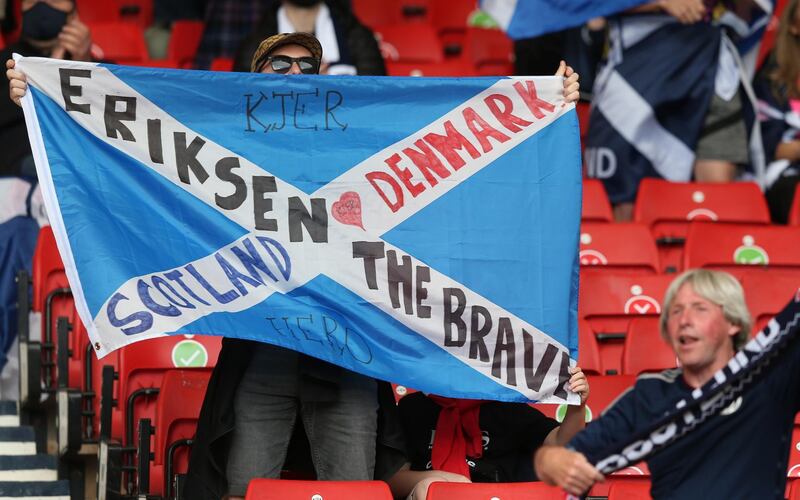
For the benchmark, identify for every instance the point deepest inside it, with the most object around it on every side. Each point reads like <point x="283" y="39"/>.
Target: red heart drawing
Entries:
<point x="347" y="209"/>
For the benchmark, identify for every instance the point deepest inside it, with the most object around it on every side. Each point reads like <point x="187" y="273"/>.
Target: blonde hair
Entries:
<point x="787" y="52"/>
<point x="718" y="287"/>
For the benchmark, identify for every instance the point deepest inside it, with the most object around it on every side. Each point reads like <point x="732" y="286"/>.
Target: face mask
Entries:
<point x="304" y="3"/>
<point x="43" y="22"/>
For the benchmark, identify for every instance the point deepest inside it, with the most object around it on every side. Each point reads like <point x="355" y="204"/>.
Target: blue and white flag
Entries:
<point x="530" y="18"/>
<point x="421" y="231"/>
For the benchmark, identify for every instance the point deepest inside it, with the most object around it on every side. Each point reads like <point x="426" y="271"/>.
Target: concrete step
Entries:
<point x="17" y="441"/>
<point x="28" y="468"/>
<point x="9" y="416"/>
<point x="29" y="490"/>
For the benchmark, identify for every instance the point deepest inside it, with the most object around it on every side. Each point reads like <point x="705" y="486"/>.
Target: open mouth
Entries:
<point x="687" y="340"/>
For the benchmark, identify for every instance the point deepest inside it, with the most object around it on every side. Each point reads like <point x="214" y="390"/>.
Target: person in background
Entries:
<point x="348" y="47"/>
<point x="777" y="86"/>
<point x="227" y="23"/>
<point x="50" y="28"/>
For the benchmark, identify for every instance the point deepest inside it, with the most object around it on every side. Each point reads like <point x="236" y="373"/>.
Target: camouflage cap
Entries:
<point x="266" y="47"/>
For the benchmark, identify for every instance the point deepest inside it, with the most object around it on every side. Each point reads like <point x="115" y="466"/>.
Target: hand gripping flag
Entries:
<point x="422" y="231"/>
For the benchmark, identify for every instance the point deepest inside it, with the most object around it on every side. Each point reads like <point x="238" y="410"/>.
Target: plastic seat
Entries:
<point x="184" y="41"/>
<point x="409" y="43"/>
<point x="668" y="208"/>
<point x="794" y="211"/>
<point x="627" y="248"/>
<point x="490" y="50"/>
<point x="222" y="64"/>
<point x="637" y="473"/>
<point x="499" y="491"/>
<point x="588" y="352"/>
<point x="177" y="410"/>
<point x="793" y="489"/>
<point x="52" y="299"/>
<point x="629" y="490"/>
<point x="401" y="391"/>
<point x="645" y="350"/>
<point x="608" y="302"/>
<point x="283" y="489"/>
<point x="793" y="468"/>
<point x="456" y="68"/>
<point x="141" y="369"/>
<point x="596" y="207"/>
<point x="138" y="11"/>
<point x="372" y="13"/>
<point x="741" y="248"/>
<point x="451" y="15"/>
<point x="583" y="109"/>
<point x="767" y="294"/>
<point x="605" y="389"/>
<point x="118" y="42"/>
<point x="92" y="11"/>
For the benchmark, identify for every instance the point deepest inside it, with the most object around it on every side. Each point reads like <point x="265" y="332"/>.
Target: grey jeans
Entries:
<point x="341" y="433"/>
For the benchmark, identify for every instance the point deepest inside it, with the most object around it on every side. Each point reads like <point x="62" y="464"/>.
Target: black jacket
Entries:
<point x="207" y="463"/>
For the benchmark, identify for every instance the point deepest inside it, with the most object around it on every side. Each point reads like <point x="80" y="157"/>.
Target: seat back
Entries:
<point x="588" y="352"/>
<point x="627" y="248"/>
<point x="490" y="50"/>
<point x="645" y="350"/>
<point x="605" y="389"/>
<point x="143" y="365"/>
<point x="119" y="42"/>
<point x="456" y="67"/>
<point x="177" y="411"/>
<point x="284" y="489"/>
<point x="767" y="293"/>
<point x="184" y="41"/>
<point x="409" y="43"/>
<point x="608" y="302"/>
<point x="629" y="490"/>
<point x="668" y="208"/>
<point x="52" y="299"/>
<point x="739" y="248"/>
<point x="596" y="207"/>
<point x="794" y="211"/>
<point x="500" y="491"/>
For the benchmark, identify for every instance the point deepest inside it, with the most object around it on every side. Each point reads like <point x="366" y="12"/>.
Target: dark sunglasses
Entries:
<point x="281" y="64"/>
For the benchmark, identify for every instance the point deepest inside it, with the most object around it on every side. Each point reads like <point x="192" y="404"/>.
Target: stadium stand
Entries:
<point x="737" y="248"/>
<point x="119" y="42"/>
<point x="282" y="489"/>
<point x="595" y="207"/>
<point x="629" y="490"/>
<point x="794" y="212"/>
<point x="609" y="301"/>
<point x="668" y="208"/>
<point x="483" y="491"/>
<point x="767" y="294"/>
<point x="645" y="350"/>
<point x="409" y="43"/>
<point x="183" y="42"/>
<point x="618" y="248"/>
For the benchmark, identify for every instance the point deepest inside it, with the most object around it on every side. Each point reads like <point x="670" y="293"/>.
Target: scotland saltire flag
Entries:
<point x="421" y="231"/>
<point x="530" y="18"/>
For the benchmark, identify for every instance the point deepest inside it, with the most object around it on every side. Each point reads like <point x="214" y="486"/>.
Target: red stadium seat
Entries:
<point x="410" y="43"/>
<point x="142" y="367"/>
<point x="138" y="11"/>
<point x="637" y="473"/>
<point x="793" y="489"/>
<point x="52" y="299"/>
<point x="588" y="353"/>
<point x="668" y="207"/>
<point x="583" y="109"/>
<point x="92" y="11"/>
<point x="605" y="389"/>
<point x="400" y="391"/>
<point x="619" y="248"/>
<point x="374" y="13"/>
<point x="793" y="468"/>
<point x="283" y="489"/>
<point x="739" y="248"/>
<point x="626" y="489"/>
<point x="222" y="64"/>
<point x="645" y="350"/>
<point x="490" y="50"/>
<point x="486" y="491"/>
<point x="596" y="207"/>
<point x="455" y="67"/>
<point x="118" y="42"/>
<point x="767" y="294"/>
<point x="183" y="42"/>
<point x="177" y="410"/>
<point x="794" y="212"/>
<point x="608" y="302"/>
<point x="452" y="15"/>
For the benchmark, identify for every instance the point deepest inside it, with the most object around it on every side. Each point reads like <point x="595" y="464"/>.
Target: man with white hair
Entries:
<point x="740" y="451"/>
